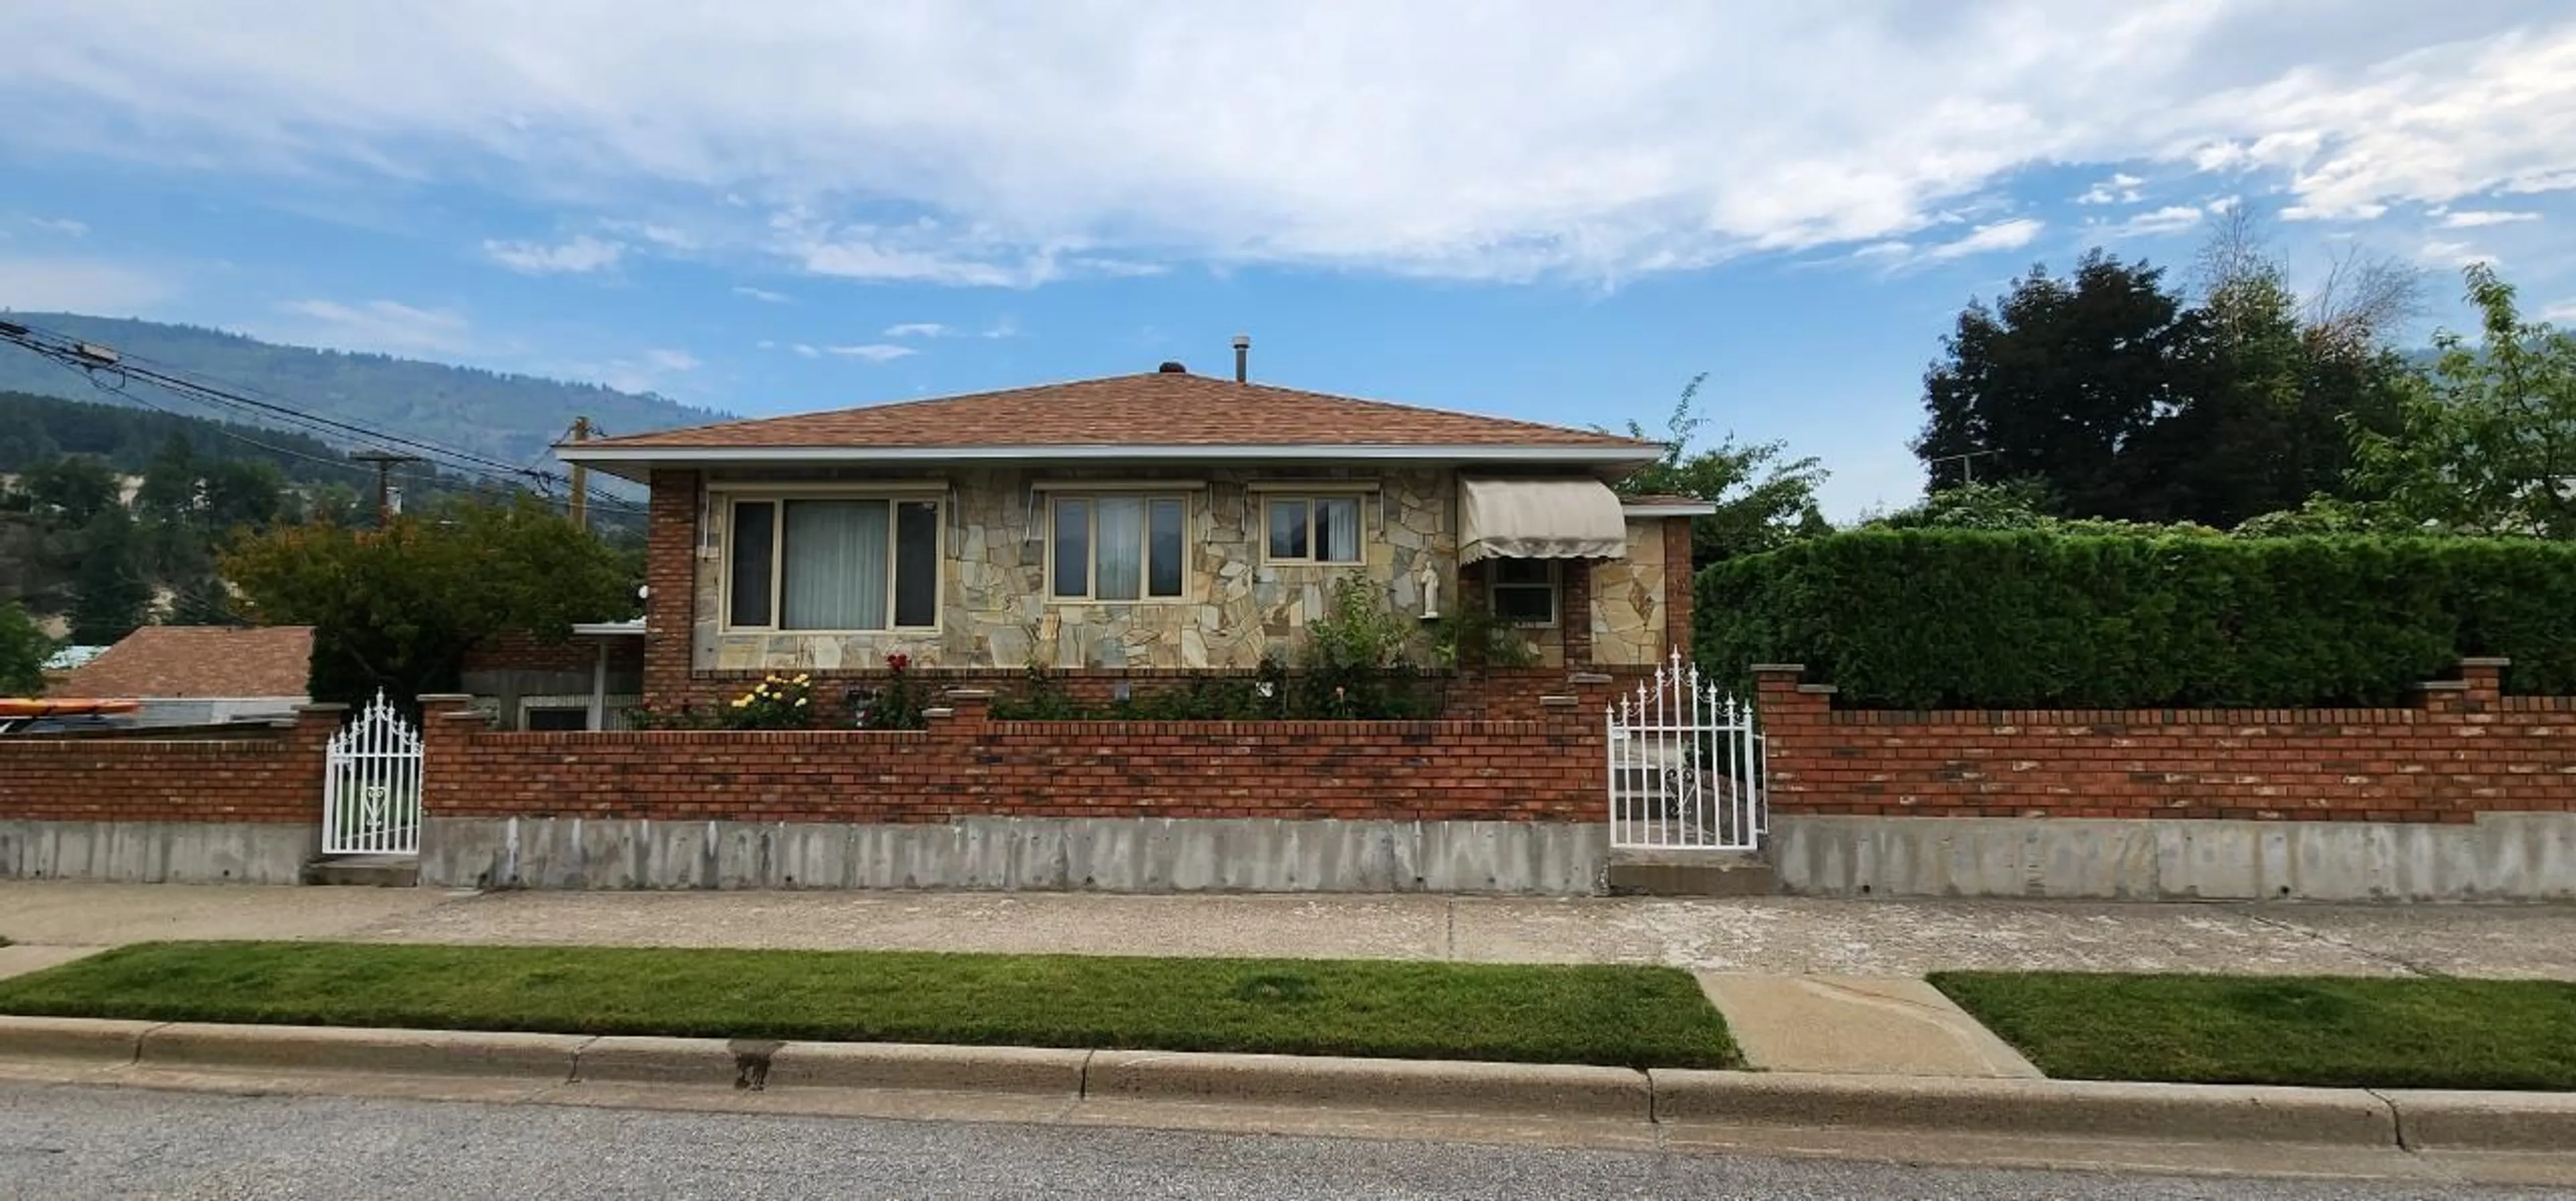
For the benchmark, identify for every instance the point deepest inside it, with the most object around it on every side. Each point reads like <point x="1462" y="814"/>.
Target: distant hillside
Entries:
<point x="513" y="418"/>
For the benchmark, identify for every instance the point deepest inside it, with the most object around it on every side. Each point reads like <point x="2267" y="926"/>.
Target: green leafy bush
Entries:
<point x="1938" y="618"/>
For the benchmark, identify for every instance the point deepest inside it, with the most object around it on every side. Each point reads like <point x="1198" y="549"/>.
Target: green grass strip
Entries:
<point x="1623" y="1016"/>
<point x="2305" y="1030"/>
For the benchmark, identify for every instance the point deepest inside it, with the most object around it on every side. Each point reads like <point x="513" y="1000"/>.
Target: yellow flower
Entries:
<point x="802" y="677"/>
<point x="800" y="702"/>
<point x="741" y="701"/>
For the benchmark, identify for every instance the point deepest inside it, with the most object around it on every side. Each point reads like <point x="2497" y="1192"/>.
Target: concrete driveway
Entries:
<point x="51" y="920"/>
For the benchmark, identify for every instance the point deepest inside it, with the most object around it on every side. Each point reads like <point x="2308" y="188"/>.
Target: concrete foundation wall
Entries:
<point x="157" y="852"/>
<point x="1103" y="854"/>
<point x="2499" y="856"/>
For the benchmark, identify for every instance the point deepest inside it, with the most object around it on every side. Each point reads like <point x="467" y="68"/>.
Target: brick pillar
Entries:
<point x="2485" y="680"/>
<point x="1574" y="619"/>
<point x="1680" y="586"/>
<point x="1795" y="721"/>
<point x="671" y="587"/>
<point x="446" y="719"/>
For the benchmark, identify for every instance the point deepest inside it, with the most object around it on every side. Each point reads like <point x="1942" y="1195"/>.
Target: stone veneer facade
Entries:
<point x="994" y="612"/>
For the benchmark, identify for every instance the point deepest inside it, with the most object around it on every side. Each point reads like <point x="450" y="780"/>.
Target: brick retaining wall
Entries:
<point x="2462" y="750"/>
<point x="271" y="776"/>
<point x="1542" y="770"/>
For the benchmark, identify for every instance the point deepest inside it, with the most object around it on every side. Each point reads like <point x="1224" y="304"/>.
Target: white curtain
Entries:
<point x="1122" y="548"/>
<point x="834" y="571"/>
<point x="1337" y="530"/>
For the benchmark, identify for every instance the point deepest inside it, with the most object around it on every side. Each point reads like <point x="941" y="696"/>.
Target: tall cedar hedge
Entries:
<point x="2014" y="619"/>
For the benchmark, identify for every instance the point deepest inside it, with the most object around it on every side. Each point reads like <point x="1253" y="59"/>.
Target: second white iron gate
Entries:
<point x="371" y="785"/>
<point x="1685" y="766"/>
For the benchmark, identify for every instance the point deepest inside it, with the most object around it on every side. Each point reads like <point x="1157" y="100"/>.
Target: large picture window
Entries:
<point x="1314" y="529"/>
<point x="833" y="563"/>
<point x="1118" y="547"/>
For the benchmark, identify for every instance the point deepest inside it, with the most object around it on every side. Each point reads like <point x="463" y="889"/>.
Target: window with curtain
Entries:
<point x="1524" y="591"/>
<point x="833" y="563"/>
<point x="1314" y="529"/>
<point x="1118" y="547"/>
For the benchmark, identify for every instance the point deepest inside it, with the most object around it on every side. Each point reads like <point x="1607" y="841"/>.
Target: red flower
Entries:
<point x="898" y="661"/>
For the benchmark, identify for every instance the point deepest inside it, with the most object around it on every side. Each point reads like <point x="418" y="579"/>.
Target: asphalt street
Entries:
<point x="68" y="1142"/>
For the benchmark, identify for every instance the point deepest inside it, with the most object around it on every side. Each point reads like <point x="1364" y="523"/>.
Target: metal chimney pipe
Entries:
<point x="1242" y="358"/>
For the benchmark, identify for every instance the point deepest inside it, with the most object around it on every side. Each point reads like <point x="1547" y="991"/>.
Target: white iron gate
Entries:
<point x="371" y="785"/>
<point x="1685" y="766"/>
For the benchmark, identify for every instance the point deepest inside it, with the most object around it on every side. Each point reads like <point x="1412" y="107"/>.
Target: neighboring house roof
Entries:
<point x="1125" y="416"/>
<point x="197" y="661"/>
<point x="70" y="657"/>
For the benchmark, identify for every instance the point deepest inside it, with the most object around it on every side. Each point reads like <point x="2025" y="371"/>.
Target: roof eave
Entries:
<point x="634" y="462"/>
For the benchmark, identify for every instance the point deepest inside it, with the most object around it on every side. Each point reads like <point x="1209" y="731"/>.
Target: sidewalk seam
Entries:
<point x="572" y="1073"/>
<point x="2396" y="1120"/>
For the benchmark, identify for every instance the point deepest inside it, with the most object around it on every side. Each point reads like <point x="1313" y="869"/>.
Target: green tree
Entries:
<point x="23" y="648"/>
<point x="2487" y="442"/>
<point x="1763" y="499"/>
<point x="398" y="608"/>
<point x="72" y="489"/>
<point x="243" y="492"/>
<point x="110" y="596"/>
<point x="2058" y="382"/>
<point x="203" y="601"/>
<point x="169" y="489"/>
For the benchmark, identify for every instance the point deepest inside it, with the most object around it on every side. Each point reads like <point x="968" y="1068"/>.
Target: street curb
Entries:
<point x="2413" y="1120"/>
<point x="356" y="1049"/>
<point x="2429" y="1120"/>
<point x="103" y="1039"/>
<point x="1444" y="1086"/>
<point x="2200" y="1113"/>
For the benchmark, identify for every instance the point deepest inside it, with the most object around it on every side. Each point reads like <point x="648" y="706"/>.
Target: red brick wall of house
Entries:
<point x="1680" y="586"/>
<point x="968" y="765"/>
<point x="670" y="586"/>
<point x="2464" y="749"/>
<point x="273" y="776"/>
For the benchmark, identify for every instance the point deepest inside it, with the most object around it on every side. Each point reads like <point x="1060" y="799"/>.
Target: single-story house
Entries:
<point x="199" y="675"/>
<point x="1164" y="521"/>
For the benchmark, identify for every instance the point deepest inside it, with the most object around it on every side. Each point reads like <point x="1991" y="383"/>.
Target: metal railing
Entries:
<point x="1685" y="766"/>
<point x="371" y="785"/>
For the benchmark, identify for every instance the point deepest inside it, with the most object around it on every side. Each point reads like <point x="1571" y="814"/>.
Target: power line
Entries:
<point x="90" y="359"/>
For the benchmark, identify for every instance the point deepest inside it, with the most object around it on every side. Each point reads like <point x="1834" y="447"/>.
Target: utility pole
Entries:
<point x="580" y="478"/>
<point x="384" y="461"/>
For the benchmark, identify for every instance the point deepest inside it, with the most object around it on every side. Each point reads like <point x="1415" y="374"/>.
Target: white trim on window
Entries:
<point x="1555" y="588"/>
<point x="1091" y="547"/>
<point x="1314" y="521"/>
<point x="895" y="495"/>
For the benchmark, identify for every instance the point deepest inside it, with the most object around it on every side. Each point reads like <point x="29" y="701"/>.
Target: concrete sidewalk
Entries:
<point x="1808" y="985"/>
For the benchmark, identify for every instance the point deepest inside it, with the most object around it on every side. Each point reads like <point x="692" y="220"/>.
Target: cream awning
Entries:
<point x="1539" y="519"/>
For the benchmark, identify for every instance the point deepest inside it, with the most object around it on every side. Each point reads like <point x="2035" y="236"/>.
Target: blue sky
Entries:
<point x="1542" y="210"/>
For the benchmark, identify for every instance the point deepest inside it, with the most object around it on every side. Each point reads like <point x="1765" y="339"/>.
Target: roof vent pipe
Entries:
<point x="1172" y="367"/>
<point x="1242" y="358"/>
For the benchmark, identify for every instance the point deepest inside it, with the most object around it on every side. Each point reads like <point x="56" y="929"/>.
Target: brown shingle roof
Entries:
<point x="197" y="661"/>
<point x="1157" y="409"/>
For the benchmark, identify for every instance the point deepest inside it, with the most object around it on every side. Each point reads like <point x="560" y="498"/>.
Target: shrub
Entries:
<point x="2022" y="619"/>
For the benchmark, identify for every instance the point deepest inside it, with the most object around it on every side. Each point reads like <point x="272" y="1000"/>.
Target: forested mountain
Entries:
<point x="509" y="417"/>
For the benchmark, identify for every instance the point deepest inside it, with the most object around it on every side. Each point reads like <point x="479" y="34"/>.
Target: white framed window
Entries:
<point x="1524" y="591"/>
<point x="1118" y="546"/>
<point x="1312" y="529"/>
<point x="832" y="563"/>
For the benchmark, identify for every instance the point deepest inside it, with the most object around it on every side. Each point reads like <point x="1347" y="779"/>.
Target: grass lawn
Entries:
<point x="2314" y="1030"/>
<point x="1626" y="1016"/>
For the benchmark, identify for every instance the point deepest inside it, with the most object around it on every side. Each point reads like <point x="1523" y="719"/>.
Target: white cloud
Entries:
<point x="2452" y="254"/>
<point x="806" y="350"/>
<point x="2562" y="313"/>
<point x="2173" y="218"/>
<point x="874" y="352"/>
<point x="1009" y="145"/>
<point x="383" y="326"/>
<point x="2002" y="235"/>
<point x="583" y="253"/>
<point x="61" y="225"/>
<point x="763" y="295"/>
<point x="81" y="285"/>
<point x="2473" y="218"/>
<point x="1006" y="327"/>
<point x="918" y="329"/>
<point x="2121" y="188"/>
<point x="672" y="360"/>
